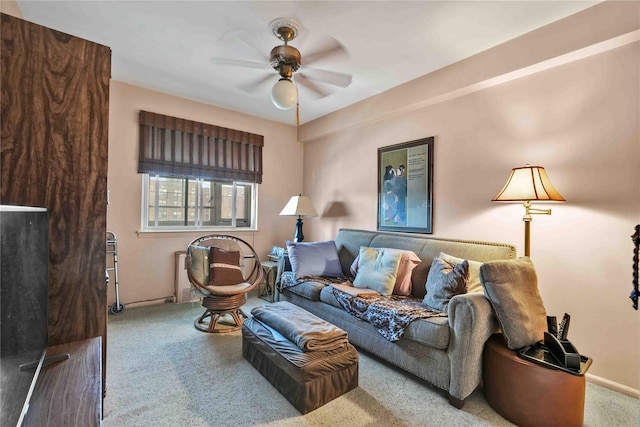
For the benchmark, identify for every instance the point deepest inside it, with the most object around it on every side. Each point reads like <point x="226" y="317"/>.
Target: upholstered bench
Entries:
<point x="307" y="379"/>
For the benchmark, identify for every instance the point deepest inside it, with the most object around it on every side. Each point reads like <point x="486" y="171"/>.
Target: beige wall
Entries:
<point x="529" y="101"/>
<point x="498" y="110"/>
<point x="146" y="260"/>
<point x="10" y="7"/>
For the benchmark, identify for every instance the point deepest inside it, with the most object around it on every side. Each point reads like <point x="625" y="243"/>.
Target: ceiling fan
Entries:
<point x="287" y="61"/>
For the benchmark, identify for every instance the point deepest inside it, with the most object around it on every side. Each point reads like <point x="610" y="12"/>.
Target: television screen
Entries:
<point x="24" y="294"/>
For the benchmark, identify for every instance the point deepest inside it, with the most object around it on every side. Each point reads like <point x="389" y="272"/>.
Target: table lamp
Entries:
<point x="528" y="184"/>
<point x="299" y="206"/>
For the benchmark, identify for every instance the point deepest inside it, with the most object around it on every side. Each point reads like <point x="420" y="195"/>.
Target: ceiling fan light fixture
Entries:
<point x="284" y="94"/>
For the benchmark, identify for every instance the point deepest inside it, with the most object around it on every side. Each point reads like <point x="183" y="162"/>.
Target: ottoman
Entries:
<point x="529" y="394"/>
<point x="307" y="379"/>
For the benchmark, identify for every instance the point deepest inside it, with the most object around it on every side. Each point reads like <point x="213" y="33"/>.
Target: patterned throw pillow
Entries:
<point x="474" y="284"/>
<point x="445" y="280"/>
<point x="225" y="267"/>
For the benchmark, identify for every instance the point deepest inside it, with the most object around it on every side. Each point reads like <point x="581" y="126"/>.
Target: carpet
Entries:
<point x="161" y="371"/>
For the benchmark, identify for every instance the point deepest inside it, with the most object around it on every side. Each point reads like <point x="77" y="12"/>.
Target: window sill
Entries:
<point x="142" y="234"/>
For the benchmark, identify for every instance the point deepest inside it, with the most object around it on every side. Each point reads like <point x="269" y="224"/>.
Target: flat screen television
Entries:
<point x="24" y="297"/>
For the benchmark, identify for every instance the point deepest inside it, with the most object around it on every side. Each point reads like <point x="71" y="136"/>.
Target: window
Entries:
<point x="173" y="203"/>
<point x="197" y="175"/>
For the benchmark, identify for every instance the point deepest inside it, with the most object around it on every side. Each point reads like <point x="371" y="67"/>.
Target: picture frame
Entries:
<point x="405" y="187"/>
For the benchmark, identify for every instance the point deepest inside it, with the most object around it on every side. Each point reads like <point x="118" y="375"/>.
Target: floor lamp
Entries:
<point x="528" y="184"/>
<point x="299" y="206"/>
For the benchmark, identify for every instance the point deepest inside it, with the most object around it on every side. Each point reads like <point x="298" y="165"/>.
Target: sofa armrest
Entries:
<point x="283" y="265"/>
<point x="472" y="322"/>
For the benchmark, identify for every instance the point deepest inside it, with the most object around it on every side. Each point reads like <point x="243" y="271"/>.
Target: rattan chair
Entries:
<point x="227" y="299"/>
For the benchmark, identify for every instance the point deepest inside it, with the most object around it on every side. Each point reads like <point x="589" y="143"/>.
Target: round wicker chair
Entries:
<point x="222" y="281"/>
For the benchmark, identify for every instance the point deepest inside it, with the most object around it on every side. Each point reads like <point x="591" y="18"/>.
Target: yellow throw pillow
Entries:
<point x="377" y="270"/>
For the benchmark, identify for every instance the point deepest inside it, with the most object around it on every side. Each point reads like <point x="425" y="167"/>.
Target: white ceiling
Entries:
<point x="168" y="45"/>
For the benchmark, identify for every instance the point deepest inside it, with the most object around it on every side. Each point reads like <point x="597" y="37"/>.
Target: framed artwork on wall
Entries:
<point x="405" y="187"/>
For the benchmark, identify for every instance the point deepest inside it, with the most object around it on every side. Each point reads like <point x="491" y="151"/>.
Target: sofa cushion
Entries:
<point x="512" y="288"/>
<point x="308" y="289"/>
<point x="445" y="280"/>
<point x="474" y="284"/>
<point x="433" y="332"/>
<point x="377" y="270"/>
<point x="314" y="259"/>
<point x="408" y="262"/>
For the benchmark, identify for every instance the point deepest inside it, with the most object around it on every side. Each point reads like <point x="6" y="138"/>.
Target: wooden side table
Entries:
<point x="69" y="393"/>
<point x="529" y="394"/>
<point x="267" y="289"/>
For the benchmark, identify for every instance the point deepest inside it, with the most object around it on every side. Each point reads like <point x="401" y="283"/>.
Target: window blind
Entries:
<point x="180" y="147"/>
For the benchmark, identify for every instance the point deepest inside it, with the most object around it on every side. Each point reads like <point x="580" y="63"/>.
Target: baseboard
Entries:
<point x="145" y="303"/>
<point x="613" y="385"/>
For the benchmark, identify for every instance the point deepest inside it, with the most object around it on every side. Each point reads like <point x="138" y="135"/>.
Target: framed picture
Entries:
<point x="405" y="187"/>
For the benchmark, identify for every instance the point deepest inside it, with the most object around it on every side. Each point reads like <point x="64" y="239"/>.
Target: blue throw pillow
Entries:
<point x="314" y="259"/>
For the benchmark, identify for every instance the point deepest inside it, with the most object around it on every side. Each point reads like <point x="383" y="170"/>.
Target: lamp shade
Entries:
<point x="528" y="183"/>
<point x="284" y="94"/>
<point x="299" y="206"/>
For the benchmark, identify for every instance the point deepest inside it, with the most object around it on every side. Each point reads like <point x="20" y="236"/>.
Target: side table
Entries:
<point x="267" y="289"/>
<point x="529" y="394"/>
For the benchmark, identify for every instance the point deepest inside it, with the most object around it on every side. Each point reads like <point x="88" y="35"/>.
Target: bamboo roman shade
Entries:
<point x="179" y="147"/>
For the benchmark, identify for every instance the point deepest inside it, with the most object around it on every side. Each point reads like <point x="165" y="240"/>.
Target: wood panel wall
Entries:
<point x="53" y="153"/>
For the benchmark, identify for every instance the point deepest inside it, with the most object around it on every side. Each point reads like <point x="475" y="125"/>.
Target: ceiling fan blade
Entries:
<point x="308" y="84"/>
<point x="329" y="77"/>
<point x="330" y="48"/>
<point x="244" y="41"/>
<point x="258" y="84"/>
<point x="240" y="63"/>
<point x="247" y="40"/>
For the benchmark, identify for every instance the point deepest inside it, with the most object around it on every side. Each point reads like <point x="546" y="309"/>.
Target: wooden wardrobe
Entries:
<point x="53" y="154"/>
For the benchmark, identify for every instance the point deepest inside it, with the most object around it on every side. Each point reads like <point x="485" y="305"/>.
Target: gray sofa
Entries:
<point x="445" y="351"/>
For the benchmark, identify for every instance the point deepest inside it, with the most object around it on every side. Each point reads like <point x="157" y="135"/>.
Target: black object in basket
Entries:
<point x="556" y="354"/>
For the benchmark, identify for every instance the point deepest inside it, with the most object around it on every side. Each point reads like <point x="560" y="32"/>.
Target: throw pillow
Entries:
<point x="474" y="284"/>
<point x="314" y="259"/>
<point x="199" y="263"/>
<point x="512" y="288"/>
<point x="445" y="280"/>
<point x="225" y="267"/>
<point x="408" y="261"/>
<point x="377" y="270"/>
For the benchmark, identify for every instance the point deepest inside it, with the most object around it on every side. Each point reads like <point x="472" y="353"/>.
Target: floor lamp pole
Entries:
<point x="527" y="236"/>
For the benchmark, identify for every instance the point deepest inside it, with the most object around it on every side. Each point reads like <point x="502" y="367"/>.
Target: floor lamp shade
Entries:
<point x="528" y="184"/>
<point x="299" y="206"/>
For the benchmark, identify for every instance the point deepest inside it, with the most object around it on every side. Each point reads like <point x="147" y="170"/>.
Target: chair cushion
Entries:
<point x="377" y="270"/>
<point x="225" y="267"/>
<point x="408" y="262"/>
<point x="200" y="263"/>
<point x="445" y="280"/>
<point x="314" y="259"/>
<point x="512" y="288"/>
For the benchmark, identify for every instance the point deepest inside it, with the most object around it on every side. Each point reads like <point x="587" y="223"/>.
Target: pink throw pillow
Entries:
<point x="408" y="262"/>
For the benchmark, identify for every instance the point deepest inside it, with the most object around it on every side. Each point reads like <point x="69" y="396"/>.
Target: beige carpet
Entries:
<point x="162" y="372"/>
